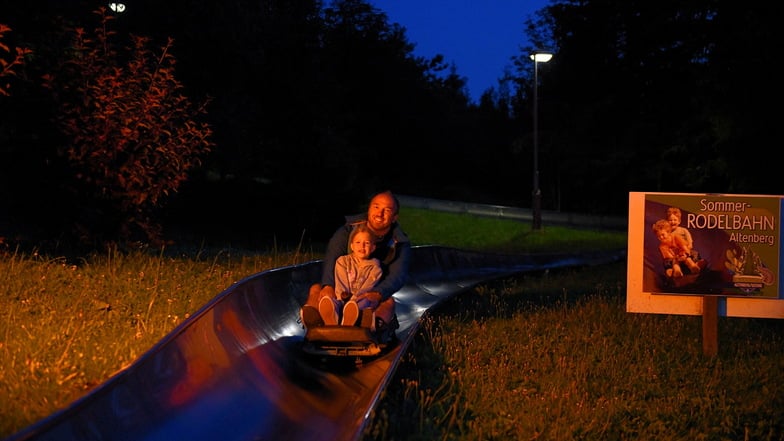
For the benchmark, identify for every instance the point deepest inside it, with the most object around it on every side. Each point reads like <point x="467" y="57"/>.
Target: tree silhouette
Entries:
<point x="666" y="96"/>
<point x="322" y="102"/>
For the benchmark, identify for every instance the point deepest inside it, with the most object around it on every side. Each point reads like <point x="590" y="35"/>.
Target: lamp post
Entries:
<point x="537" y="57"/>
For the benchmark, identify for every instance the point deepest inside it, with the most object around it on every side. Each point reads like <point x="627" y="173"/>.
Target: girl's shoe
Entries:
<point x="327" y="311"/>
<point x="350" y="313"/>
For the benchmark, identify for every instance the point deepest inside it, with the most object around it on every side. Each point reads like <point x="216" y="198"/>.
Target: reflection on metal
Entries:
<point x="235" y="370"/>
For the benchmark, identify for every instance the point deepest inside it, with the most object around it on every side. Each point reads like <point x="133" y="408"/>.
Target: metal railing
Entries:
<point x="516" y="213"/>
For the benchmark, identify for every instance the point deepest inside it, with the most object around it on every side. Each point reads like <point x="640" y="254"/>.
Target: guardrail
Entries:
<point x="515" y="213"/>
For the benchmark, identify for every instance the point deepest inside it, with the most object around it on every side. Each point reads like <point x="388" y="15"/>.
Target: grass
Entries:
<point x="577" y="365"/>
<point x="68" y="326"/>
<point x="466" y="231"/>
<point x="555" y="356"/>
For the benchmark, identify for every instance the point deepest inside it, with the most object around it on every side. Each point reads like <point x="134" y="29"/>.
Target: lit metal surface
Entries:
<point x="235" y="369"/>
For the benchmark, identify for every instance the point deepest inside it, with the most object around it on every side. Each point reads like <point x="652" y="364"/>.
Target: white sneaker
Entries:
<point x="350" y="313"/>
<point x="327" y="311"/>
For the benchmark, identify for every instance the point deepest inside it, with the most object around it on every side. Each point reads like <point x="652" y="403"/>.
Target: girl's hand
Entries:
<point x="372" y="296"/>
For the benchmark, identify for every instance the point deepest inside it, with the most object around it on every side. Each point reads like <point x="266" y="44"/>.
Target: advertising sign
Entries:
<point x="684" y="246"/>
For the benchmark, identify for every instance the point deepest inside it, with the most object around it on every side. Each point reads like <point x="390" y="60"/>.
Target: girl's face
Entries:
<point x="674" y="221"/>
<point x="363" y="245"/>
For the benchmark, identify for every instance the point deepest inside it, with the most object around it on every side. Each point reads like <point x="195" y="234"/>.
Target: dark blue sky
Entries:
<point x="478" y="36"/>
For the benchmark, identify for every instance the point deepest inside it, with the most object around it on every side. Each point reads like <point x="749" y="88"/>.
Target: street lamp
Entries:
<point x="117" y="7"/>
<point x="537" y="57"/>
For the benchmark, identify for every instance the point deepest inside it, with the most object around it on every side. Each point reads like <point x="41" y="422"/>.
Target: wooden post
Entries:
<point x="710" y="325"/>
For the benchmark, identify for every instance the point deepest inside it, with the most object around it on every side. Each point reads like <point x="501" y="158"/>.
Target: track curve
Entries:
<point x="234" y="370"/>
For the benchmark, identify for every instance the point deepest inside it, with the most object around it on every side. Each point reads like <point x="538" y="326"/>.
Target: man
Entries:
<point x="393" y="250"/>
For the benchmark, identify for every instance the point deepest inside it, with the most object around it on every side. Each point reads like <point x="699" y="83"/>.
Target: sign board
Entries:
<point x="735" y="254"/>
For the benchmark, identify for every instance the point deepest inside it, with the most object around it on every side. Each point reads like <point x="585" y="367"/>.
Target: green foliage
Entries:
<point x="467" y="231"/>
<point x="132" y="135"/>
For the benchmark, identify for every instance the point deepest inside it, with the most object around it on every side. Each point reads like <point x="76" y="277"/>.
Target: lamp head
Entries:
<point x="117" y="7"/>
<point x="541" y="56"/>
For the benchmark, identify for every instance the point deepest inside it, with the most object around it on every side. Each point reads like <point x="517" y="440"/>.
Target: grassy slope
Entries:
<point x="556" y="356"/>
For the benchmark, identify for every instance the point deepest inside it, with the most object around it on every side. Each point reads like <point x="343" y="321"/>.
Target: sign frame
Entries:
<point x="709" y="212"/>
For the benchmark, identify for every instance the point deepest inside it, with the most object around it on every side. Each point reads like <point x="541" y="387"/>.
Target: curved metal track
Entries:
<point x="235" y="371"/>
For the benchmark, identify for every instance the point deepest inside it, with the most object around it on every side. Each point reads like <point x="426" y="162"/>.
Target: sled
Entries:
<point x="334" y="341"/>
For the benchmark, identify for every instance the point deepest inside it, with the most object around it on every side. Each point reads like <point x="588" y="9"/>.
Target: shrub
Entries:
<point x="7" y="68"/>
<point x="132" y="136"/>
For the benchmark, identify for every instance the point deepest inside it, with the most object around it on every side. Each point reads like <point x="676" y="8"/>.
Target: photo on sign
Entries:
<point x="711" y="245"/>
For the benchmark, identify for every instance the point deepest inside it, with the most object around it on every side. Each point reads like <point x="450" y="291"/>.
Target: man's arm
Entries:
<point x="336" y="247"/>
<point x="666" y="252"/>
<point x="397" y="272"/>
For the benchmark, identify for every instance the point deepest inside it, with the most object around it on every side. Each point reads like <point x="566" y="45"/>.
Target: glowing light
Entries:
<point x="541" y="56"/>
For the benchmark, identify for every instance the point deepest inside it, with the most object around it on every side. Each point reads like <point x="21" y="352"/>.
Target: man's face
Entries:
<point x="381" y="212"/>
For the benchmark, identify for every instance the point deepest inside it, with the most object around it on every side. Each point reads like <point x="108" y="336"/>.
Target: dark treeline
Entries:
<point x="314" y="105"/>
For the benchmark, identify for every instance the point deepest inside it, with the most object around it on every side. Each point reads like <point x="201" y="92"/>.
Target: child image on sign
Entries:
<point x="674" y="218"/>
<point x="355" y="274"/>
<point x="675" y="251"/>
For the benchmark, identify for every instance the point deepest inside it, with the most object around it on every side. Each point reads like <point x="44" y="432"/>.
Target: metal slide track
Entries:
<point x="235" y="370"/>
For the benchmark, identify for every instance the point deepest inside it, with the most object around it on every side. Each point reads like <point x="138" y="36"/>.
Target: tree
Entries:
<point x="665" y="96"/>
<point x="7" y="69"/>
<point x="132" y="137"/>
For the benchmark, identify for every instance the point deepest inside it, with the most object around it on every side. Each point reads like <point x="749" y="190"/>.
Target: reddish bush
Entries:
<point x="7" y="66"/>
<point x="132" y="135"/>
